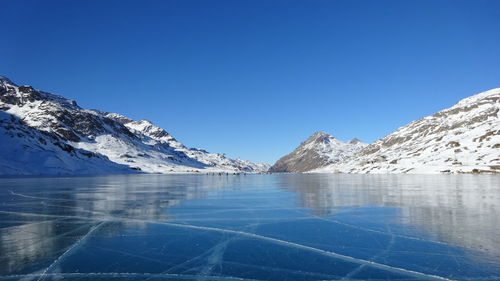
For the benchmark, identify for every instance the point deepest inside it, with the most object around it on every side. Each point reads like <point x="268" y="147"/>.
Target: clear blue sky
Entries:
<point x="253" y="78"/>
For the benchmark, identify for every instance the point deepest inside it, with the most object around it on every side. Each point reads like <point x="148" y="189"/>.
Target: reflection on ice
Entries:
<point x="260" y="227"/>
<point x="461" y="210"/>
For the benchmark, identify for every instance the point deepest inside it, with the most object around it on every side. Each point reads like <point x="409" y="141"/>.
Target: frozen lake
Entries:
<point x="253" y="227"/>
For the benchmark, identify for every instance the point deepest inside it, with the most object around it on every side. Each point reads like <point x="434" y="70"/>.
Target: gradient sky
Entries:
<point x="254" y="78"/>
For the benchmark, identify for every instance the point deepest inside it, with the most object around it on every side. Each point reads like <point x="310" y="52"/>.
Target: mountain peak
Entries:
<point x="144" y="121"/>
<point x="118" y="118"/>
<point x="6" y="80"/>
<point x="320" y="134"/>
<point x="487" y="95"/>
<point x="354" y="141"/>
<point x="319" y="150"/>
<point x="320" y="137"/>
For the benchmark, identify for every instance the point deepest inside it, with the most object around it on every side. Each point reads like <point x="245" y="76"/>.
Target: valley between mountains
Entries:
<point x="46" y="134"/>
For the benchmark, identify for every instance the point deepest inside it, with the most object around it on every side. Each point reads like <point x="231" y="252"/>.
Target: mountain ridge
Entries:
<point x="50" y="134"/>
<point x="464" y="138"/>
<point x="43" y="133"/>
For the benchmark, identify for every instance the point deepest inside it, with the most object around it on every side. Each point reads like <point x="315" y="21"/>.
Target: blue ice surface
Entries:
<point x="250" y="227"/>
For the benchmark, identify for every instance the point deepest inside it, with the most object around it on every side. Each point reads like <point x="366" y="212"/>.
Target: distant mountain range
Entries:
<point x="46" y="134"/>
<point x="464" y="138"/>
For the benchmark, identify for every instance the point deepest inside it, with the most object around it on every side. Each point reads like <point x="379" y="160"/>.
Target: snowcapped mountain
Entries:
<point x="464" y="138"/>
<point x="319" y="150"/>
<point x="42" y="133"/>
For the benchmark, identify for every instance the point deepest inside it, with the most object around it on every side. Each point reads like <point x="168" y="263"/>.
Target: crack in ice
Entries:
<point x="74" y="246"/>
<point x="312" y="249"/>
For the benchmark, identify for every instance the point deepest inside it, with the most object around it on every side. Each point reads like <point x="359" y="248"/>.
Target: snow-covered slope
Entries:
<point x="43" y="133"/>
<point x="28" y="151"/>
<point x="319" y="150"/>
<point x="464" y="138"/>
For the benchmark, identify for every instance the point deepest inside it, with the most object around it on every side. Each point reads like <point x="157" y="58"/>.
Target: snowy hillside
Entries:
<point x="43" y="133"/>
<point x="317" y="151"/>
<point x="464" y="138"/>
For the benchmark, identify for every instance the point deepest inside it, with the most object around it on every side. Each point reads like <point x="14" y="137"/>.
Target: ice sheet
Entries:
<point x="253" y="227"/>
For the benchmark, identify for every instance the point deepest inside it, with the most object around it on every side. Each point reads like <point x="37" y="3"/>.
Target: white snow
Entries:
<point x="461" y="139"/>
<point x="43" y="133"/>
<point x="334" y="149"/>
